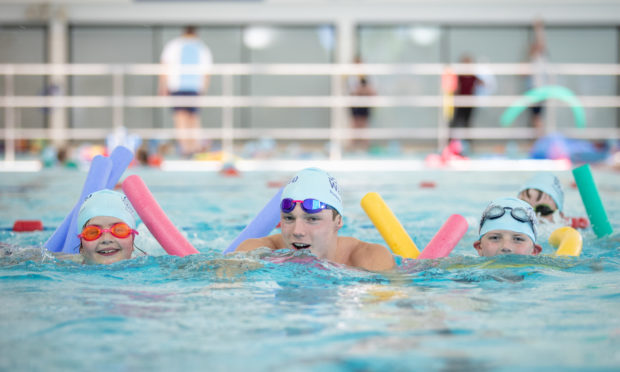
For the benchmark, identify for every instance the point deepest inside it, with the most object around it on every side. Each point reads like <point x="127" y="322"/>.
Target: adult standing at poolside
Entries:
<point x="183" y="52"/>
<point x="311" y="216"/>
<point x="360" y="85"/>
<point x="540" y="74"/>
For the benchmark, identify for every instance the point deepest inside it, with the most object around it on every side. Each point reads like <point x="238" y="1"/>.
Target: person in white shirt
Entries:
<point x="183" y="52"/>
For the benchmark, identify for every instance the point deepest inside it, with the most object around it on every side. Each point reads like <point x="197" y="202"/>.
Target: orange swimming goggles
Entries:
<point x="120" y="230"/>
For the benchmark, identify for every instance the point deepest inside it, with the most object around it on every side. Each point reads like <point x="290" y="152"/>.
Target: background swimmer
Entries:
<point x="311" y="215"/>
<point x="544" y="193"/>
<point x="507" y="226"/>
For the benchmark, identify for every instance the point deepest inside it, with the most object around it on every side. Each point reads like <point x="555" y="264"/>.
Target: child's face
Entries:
<point x="496" y="242"/>
<point x="107" y="248"/>
<point x="536" y="198"/>
<point x="316" y="231"/>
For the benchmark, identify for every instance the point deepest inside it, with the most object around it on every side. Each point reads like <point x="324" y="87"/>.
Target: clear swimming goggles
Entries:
<point x="520" y="214"/>
<point x="308" y="205"/>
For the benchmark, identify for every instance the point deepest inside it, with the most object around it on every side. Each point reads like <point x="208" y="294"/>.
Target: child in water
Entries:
<point x="544" y="193"/>
<point x="507" y="226"/>
<point x="106" y="228"/>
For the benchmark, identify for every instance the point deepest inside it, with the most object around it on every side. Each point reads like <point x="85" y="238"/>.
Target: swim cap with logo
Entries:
<point x="549" y="184"/>
<point x="106" y="203"/>
<point x="314" y="183"/>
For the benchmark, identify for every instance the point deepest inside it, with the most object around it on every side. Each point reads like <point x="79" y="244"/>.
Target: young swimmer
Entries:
<point x="311" y="215"/>
<point x="106" y="228"/>
<point x="508" y="226"/>
<point x="544" y="193"/>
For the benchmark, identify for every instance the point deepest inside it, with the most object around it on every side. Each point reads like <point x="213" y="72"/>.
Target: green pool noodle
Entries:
<point x="540" y="94"/>
<point x="592" y="201"/>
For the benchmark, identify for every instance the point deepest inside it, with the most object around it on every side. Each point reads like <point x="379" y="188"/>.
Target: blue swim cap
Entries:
<point x="314" y="183"/>
<point x="106" y="203"/>
<point x="549" y="184"/>
<point x="507" y="221"/>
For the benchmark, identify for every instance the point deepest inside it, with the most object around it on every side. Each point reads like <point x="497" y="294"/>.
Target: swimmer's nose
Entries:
<point x="506" y="250"/>
<point x="298" y="229"/>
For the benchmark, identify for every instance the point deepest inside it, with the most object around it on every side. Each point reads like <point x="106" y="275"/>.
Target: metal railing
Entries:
<point x="338" y="101"/>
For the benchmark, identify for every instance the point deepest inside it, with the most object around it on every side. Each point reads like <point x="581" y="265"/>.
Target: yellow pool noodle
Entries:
<point x="567" y="240"/>
<point x="388" y="226"/>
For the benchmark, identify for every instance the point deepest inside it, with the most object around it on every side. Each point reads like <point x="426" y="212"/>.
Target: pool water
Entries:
<point x="281" y="311"/>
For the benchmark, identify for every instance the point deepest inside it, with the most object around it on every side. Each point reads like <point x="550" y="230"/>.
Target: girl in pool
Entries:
<point x="508" y="226"/>
<point x="106" y="228"/>
<point x="311" y="215"/>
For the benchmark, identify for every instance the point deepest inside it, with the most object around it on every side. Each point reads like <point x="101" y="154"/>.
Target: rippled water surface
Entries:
<point x="271" y="311"/>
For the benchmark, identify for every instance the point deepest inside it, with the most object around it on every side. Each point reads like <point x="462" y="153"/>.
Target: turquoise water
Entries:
<point x="287" y="311"/>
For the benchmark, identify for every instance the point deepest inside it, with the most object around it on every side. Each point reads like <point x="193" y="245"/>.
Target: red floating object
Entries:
<point x="579" y="222"/>
<point x="275" y="184"/>
<point x="427" y="184"/>
<point x="27" y="225"/>
<point x="230" y="172"/>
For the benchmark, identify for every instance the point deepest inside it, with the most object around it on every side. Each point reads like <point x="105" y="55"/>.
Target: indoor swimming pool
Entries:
<point x="284" y="310"/>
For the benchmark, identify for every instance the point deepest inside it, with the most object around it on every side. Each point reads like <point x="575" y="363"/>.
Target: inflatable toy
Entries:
<point x="567" y="240"/>
<point x="264" y="222"/>
<point x="155" y="219"/>
<point x="388" y="226"/>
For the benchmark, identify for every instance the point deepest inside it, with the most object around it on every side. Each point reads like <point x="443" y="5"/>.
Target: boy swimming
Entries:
<point x="507" y="226"/>
<point x="311" y="216"/>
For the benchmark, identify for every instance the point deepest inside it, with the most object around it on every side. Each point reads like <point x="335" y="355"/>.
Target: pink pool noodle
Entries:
<point x="446" y="238"/>
<point x="155" y="219"/>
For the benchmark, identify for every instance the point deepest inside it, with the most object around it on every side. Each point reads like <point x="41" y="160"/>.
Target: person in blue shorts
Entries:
<point x="508" y="226"/>
<point x="106" y="228"/>
<point x="311" y="216"/>
<point x="184" y="52"/>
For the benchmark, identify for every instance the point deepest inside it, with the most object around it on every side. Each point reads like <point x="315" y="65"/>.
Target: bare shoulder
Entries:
<point x="369" y="256"/>
<point x="271" y="241"/>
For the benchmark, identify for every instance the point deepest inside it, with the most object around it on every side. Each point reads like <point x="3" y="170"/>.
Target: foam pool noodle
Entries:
<point x="567" y="240"/>
<point x="540" y="94"/>
<point x="103" y="173"/>
<point x="388" y="226"/>
<point x="121" y="157"/>
<point x="264" y="222"/>
<point x="446" y="238"/>
<point x="592" y="201"/>
<point x="64" y="239"/>
<point x="155" y="219"/>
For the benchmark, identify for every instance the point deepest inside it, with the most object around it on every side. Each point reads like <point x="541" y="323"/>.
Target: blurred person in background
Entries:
<point x="186" y="51"/>
<point x="360" y="85"/>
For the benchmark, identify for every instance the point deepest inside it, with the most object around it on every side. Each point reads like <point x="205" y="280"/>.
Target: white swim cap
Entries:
<point x="106" y="203"/>
<point x="510" y="214"/>
<point x="549" y="184"/>
<point x="314" y="183"/>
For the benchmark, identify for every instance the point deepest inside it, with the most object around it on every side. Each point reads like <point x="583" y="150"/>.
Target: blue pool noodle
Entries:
<point x="96" y="180"/>
<point x="121" y="158"/>
<point x="264" y="222"/>
<point x="99" y="177"/>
